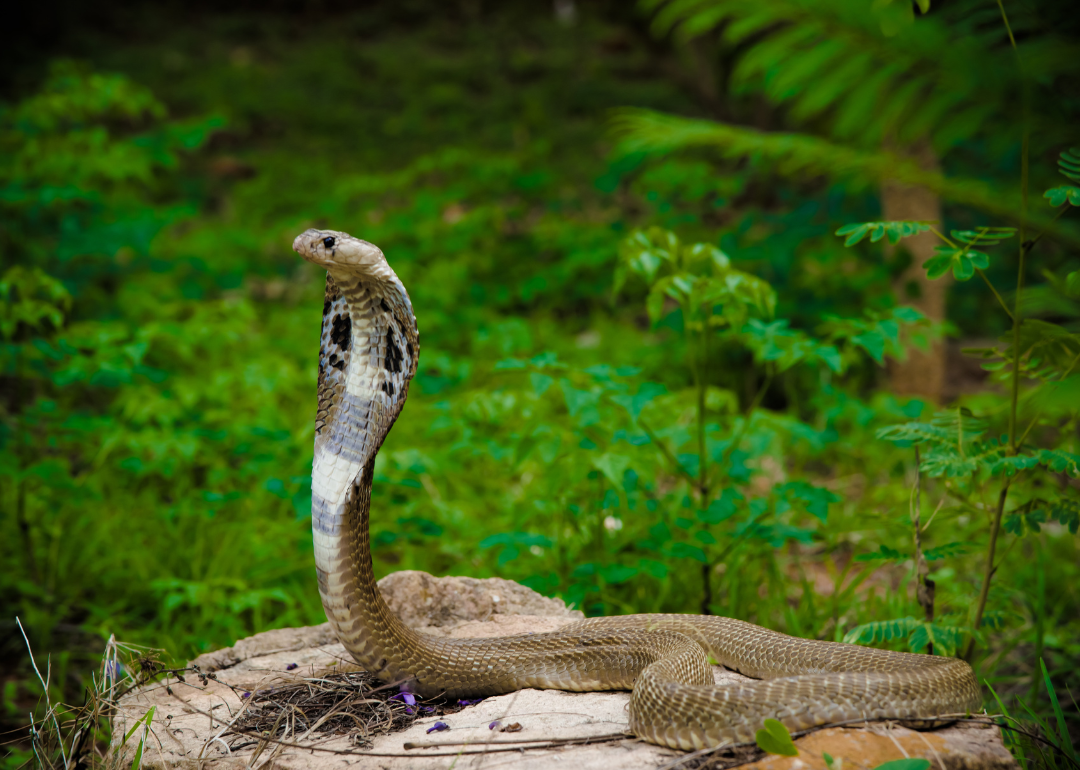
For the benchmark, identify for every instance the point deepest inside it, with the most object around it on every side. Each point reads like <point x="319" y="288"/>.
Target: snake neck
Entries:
<point x="367" y="358"/>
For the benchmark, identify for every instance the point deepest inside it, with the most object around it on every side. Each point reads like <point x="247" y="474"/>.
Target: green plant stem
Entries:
<point x="982" y="275"/>
<point x="1008" y="28"/>
<point x="1038" y="414"/>
<point x="1025" y="151"/>
<point x="660" y="445"/>
<point x="1015" y="394"/>
<point x="1040" y="610"/>
<point x="737" y="438"/>
<point x="924" y="590"/>
<point x="701" y="381"/>
<point x="990" y="568"/>
<point x="1031" y="244"/>
<point x="740" y="538"/>
<point x="1000" y="300"/>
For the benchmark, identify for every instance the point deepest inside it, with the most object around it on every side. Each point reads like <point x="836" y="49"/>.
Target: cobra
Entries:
<point x="367" y="358"/>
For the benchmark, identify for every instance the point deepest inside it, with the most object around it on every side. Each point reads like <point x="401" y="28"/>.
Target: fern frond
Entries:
<point x="941" y="76"/>
<point x="881" y="631"/>
<point x="800" y="155"/>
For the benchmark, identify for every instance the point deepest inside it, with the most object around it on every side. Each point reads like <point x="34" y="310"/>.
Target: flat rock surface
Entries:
<point x="189" y="725"/>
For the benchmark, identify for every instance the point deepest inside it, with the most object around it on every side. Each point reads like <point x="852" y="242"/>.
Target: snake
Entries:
<point x="368" y="355"/>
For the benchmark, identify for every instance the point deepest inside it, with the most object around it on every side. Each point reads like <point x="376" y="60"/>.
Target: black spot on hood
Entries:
<point x="341" y="331"/>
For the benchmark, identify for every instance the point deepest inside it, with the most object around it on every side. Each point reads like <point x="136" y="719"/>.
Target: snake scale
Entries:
<point x="367" y="358"/>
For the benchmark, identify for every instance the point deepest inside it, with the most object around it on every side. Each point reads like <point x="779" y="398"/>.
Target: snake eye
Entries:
<point x="328" y="242"/>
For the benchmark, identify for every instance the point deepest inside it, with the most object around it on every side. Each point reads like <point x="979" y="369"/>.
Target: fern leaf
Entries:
<point x="881" y="631"/>
<point x="884" y="553"/>
<point x="878" y="230"/>
<point x="1069" y="163"/>
<point x="799" y="155"/>
<point x="944" y="638"/>
<point x="1060" y="461"/>
<point x="949" y="549"/>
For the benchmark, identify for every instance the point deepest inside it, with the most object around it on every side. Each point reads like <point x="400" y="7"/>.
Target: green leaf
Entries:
<point x="581" y="404"/>
<point x="1024" y="523"/>
<point x="884" y="553"/>
<point x="1063" y="194"/>
<point x="962" y="261"/>
<point x="831" y="357"/>
<point x="960" y="425"/>
<point x="1064" y="511"/>
<point x="540" y="382"/>
<point x="617" y="573"/>
<point x="774" y="738"/>
<point x="873" y="342"/>
<point x="1064" y="740"/>
<point x="1069" y="163"/>
<point x="144" y="720"/>
<point x="1010" y="466"/>
<point x="944" y="551"/>
<point x="687" y="551"/>
<point x="984" y="236"/>
<point x="878" y="230"/>
<point x="816" y="499"/>
<point x="881" y="631"/>
<point x="635" y="404"/>
<point x="1072" y="284"/>
<point x="1060" y="461"/>
<point x="722" y="508"/>
<point x="510" y="363"/>
<point x="945" y="639"/>
<point x="613" y="466"/>
<point x="909" y="763"/>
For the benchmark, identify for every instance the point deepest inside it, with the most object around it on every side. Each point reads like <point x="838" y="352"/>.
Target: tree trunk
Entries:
<point x="923" y="373"/>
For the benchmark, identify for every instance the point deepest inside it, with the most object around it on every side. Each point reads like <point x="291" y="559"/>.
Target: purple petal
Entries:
<point x="438" y="727"/>
<point x="246" y="695"/>
<point x="407" y="697"/>
<point x="493" y="725"/>
<point x="291" y="666"/>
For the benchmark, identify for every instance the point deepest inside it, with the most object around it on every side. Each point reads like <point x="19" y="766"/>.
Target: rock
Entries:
<point x="426" y="602"/>
<point x="969" y="747"/>
<point x="189" y="724"/>
<point x="442" y="606"/>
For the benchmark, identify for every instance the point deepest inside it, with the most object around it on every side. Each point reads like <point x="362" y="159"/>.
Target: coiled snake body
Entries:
<point x="367" y="358"/>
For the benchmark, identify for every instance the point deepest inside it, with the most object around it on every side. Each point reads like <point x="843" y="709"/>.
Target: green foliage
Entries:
<point x="796" y="155"/>
<point x="945" y="639"/>
<point x="878" y="230"/>
<point x="1069" y="166"/>
<point x="909" y="763"/>
<point x="698" y="277"/>
<point x="704" y="442"/>
<point x="774" y="738"/>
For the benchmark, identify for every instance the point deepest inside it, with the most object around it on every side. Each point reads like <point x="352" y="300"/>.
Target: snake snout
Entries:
<point x="337" y="251"/>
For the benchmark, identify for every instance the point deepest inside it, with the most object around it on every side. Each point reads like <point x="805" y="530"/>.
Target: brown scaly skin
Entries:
<point x="369" y="350"/>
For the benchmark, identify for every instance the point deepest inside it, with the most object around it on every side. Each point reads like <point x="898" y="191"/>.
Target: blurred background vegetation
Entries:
<point x="604" y="410"/>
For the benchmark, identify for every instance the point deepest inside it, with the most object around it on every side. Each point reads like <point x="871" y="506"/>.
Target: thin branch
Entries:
<point x="995" y="291"/>
<point x="926" y="526"/>
<point x="675" y="464"/>
<point x="990" y="569"/>
<point x="1041" y="409"/>
<point x="737" y="438"/>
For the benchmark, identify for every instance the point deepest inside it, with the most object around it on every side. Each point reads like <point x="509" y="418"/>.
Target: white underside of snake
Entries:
<point x="367" y="358"/>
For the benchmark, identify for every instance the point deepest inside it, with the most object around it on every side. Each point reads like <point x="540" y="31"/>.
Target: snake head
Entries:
<point x="339" y="252"/>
